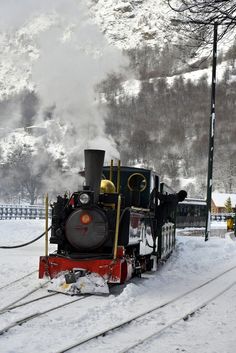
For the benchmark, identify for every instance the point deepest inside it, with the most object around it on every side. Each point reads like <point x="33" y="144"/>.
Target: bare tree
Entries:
<point x="204" y="13"/>
<point x="20" y="176"/>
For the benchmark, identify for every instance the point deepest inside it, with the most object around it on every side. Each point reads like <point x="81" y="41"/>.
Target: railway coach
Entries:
<point x="191" y="213"/>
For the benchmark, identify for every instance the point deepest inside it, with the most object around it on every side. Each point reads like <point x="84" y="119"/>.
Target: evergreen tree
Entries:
<point x="228" y="205"/>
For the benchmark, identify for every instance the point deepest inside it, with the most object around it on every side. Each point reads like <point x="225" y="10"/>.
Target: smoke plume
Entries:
<point x="64" y="56"/>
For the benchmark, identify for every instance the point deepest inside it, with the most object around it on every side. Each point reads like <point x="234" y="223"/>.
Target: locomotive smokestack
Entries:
<point x="94" y="160"/>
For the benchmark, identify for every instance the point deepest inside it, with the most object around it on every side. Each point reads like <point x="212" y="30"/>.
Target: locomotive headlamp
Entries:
<point x="84" y="198"/>
<point x="86" y="218"/>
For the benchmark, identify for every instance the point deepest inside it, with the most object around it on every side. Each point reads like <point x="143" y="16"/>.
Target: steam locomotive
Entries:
<point x="107" y="229"/>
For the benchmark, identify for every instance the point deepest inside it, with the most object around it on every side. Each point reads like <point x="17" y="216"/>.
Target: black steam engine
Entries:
<point x="109" y="227"/>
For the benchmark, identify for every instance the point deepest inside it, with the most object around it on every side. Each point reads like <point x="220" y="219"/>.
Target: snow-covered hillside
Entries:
<point x="134" y="23"/>
<point x="20" y="48"/>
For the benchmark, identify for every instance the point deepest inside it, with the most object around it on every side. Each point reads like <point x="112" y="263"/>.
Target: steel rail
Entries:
<point x="142" y="314"/>
<point x="18" y="280"/>
<point x="28" y="302"/>
<point x="36" y="315"/>
<point x="2" y="310"/>
<point x="183" y="317"/>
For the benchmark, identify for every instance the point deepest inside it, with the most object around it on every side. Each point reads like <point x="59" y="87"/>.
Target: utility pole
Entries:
<point x="211" y="135"/>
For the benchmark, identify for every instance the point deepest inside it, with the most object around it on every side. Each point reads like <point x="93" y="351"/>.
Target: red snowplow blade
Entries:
<point x="115" y="271"/>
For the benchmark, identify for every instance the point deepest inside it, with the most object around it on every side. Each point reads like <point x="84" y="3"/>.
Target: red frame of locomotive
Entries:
<point x="115" y="271"/>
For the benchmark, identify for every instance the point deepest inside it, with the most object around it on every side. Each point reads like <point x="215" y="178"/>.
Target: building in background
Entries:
<point x="219" y="201"/>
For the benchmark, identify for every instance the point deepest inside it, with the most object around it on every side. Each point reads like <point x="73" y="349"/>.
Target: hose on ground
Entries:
<point x="25" y="244"/>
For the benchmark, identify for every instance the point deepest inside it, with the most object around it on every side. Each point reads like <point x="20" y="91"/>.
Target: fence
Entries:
<point x="221" y="216"/>
<point x="38" y="212"/>
<point x="22" y="212"/>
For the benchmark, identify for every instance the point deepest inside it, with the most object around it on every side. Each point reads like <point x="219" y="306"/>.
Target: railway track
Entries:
<point x="185" y="316"/>
<point x="20" y="290"/>
<point x="10" y="308"/>
<point x="18" y="280"/>
<point x="34" y="315"/>
<point x="141" y="319"/>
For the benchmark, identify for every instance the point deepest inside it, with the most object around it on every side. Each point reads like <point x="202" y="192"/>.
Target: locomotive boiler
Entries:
<point x="108" y="227"/>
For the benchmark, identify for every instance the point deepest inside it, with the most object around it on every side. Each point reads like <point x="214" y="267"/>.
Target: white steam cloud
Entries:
<point x="74" y="57"/>
<point x="65" y="56"/>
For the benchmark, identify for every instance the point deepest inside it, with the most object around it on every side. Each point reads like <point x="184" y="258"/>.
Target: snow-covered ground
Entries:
<point x="210" y="330"/>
